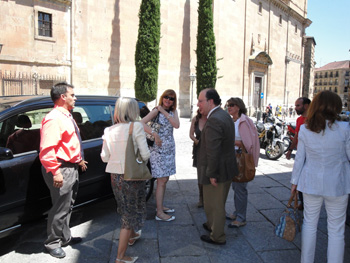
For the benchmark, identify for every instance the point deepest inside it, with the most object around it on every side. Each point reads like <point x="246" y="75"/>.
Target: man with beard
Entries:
<point x="301" y="106"/>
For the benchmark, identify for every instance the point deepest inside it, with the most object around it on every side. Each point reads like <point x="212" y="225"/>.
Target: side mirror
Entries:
<point x="5" y="154"/>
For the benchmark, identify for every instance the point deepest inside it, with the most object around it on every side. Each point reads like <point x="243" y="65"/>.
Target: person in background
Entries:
<point x="130" y="195"/>
<point x="197" y="125"/>
<point x="322" y="172"/>
<point x="61" y="154"/>
<point x="217" y="163"/>
<point x="247" y="135"/>
<point x="163" y="154"/>
<point x="301" y="106"/>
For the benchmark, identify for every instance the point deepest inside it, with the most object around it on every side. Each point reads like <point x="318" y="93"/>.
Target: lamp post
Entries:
<point x="192" y="78"/>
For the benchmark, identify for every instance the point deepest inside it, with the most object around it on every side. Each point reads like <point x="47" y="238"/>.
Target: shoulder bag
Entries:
<point x="246" y="166"/>
<point x="135" y="167"/>
<point x="155" y="126"/>
<point x="290" y="221"/>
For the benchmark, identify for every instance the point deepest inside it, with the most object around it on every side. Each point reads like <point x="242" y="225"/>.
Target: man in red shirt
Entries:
<point x="61" y="155"/>
<point x="301" y="106"/>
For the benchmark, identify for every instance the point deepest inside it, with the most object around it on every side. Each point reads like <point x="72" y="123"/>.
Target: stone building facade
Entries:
<point x="334" y="76"/>
<point x="309" y="67"/>
<point x="260" y="47"/>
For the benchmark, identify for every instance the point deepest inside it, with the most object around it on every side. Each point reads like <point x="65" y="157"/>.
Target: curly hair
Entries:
<point x="326" y="105"/>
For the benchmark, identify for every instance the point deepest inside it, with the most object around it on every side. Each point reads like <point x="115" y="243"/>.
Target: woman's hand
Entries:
<point x="157" y="139"/>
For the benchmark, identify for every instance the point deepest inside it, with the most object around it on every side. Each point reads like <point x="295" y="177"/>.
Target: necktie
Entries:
<point x="79" y="137"/>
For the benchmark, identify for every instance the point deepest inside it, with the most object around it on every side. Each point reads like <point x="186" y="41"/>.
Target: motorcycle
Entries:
<point x="287" y="140"/>
<point x="270" y="134"/>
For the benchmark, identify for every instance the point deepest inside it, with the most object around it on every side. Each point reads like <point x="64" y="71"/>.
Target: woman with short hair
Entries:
<point x="130" y="195"/>
<point x="247" y="135"/>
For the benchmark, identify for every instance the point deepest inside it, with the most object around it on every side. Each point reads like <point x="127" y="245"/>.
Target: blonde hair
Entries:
<point x="126" y="110"/>
<point x="169" y="92"/>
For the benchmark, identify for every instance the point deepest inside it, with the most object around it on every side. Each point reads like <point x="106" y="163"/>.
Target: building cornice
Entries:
<point x="14" y="60"/>
<point x="64" y="2"/>
<point x="284" y="5"/>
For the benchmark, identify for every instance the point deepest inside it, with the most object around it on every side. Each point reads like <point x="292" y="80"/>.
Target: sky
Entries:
<point x="331" y="29"/>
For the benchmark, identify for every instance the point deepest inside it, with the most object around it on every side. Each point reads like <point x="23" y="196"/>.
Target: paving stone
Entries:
<point x="280" y="193"/>
<point x="180" y="240"/>
<point x="285" y="256"/>
<point x="264" y="201"/>
<point x="261" y="237"/>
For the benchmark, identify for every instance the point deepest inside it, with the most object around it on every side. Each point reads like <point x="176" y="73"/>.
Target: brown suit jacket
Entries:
<point x="217" y="157"/>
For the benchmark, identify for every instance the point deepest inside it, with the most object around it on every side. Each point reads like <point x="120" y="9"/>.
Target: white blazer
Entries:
<point x="321" y="164"/>
<point x="115" y="139"/>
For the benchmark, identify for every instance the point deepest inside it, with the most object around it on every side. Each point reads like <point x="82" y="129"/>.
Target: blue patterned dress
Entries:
<point x="163" y="158"/>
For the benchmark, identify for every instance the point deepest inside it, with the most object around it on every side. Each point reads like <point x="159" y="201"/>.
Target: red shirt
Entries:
<point x="300" y="121"/>
<point x="59" y="140"/>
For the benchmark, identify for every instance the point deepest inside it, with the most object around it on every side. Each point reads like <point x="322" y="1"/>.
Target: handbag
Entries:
<point x="135" y="167"/>
<point x="155" y="126"/>
<point x="246" y="166"/>
<point x="290" y="221"/>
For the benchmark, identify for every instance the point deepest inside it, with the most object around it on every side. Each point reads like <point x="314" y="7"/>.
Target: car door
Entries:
<point x="92" y="117"/>
<point x="23" y="193"/>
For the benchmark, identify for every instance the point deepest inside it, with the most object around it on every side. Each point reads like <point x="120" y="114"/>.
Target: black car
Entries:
<point x="24" y="195"/>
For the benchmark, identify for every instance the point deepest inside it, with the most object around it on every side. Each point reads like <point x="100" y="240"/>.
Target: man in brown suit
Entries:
<point x="216" y="163"/>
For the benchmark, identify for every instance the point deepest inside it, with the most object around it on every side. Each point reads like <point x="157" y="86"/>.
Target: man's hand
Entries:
<point x="58" y="180"/>
<point x="83" y="165"/>
<point x="288" y="154"/>
<point x="213" y="182"/>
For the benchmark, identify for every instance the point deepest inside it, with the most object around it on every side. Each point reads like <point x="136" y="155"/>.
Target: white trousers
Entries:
<point x="336" y="215"/>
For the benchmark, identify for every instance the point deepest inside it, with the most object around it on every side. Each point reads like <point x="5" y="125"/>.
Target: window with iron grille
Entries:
<point x="45" y="24"/>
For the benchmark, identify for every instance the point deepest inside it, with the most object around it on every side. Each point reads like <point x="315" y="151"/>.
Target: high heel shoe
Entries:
<point x="133" y="259"/>
<point x="133" y="240"/>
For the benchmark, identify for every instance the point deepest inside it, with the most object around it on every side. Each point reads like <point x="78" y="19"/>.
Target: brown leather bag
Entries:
<point x="246" y="166"/>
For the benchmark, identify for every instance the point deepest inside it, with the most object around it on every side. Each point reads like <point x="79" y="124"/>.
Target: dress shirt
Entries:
<point x="59" y="140"/>
<point x="115" y="139"/>
<point x="321" y="164"/>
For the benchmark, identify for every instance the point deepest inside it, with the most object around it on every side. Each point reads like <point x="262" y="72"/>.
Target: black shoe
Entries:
<point x="205" y="226"/>
<point x="57" y="252"/>
<point x="72" y="241"/>
<point x="207" y="239"/>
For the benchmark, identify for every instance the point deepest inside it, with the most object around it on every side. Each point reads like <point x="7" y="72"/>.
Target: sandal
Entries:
<point x="132" y="240"/>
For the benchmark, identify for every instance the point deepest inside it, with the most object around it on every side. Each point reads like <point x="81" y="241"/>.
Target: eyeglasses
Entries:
<point x="230" y="105"/>
<point x="169" y="98"/>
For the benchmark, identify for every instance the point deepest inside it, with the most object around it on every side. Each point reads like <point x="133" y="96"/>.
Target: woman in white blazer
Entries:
<point x="130" y="195"/>
<point x="322" y="173"/>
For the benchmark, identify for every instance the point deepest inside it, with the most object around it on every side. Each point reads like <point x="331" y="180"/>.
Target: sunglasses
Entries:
<point x="230" y="105"/>
<point x="169" y="98"/>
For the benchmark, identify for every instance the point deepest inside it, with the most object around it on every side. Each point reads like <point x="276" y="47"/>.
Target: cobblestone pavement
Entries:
<point x="179" y="241"/>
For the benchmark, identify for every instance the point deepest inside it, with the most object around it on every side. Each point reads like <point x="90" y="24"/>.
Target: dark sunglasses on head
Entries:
<point x="169" y="98"/>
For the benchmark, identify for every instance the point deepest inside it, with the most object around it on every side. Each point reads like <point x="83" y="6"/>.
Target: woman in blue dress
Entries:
<point x="163" y="151"/>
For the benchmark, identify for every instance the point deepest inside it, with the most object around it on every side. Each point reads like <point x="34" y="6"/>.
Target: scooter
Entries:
<point x="270" y="134"/>
<point x="287" y="140"/>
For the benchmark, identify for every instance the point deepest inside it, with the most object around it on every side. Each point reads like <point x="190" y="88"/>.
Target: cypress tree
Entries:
<point x="206" y="49"/>
<point x="147" y="50"/>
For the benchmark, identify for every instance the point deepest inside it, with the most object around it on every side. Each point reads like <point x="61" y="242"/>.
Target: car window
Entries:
<point x="21" y="133"/>
<point x="92" y="120"/>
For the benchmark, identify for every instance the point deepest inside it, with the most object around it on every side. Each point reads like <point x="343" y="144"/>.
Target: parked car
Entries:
<point x="24" y="195"/>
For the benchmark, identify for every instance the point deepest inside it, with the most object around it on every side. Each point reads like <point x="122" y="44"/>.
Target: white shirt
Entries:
<point x="115" y="139"/>
<point x="322" y="165"/>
